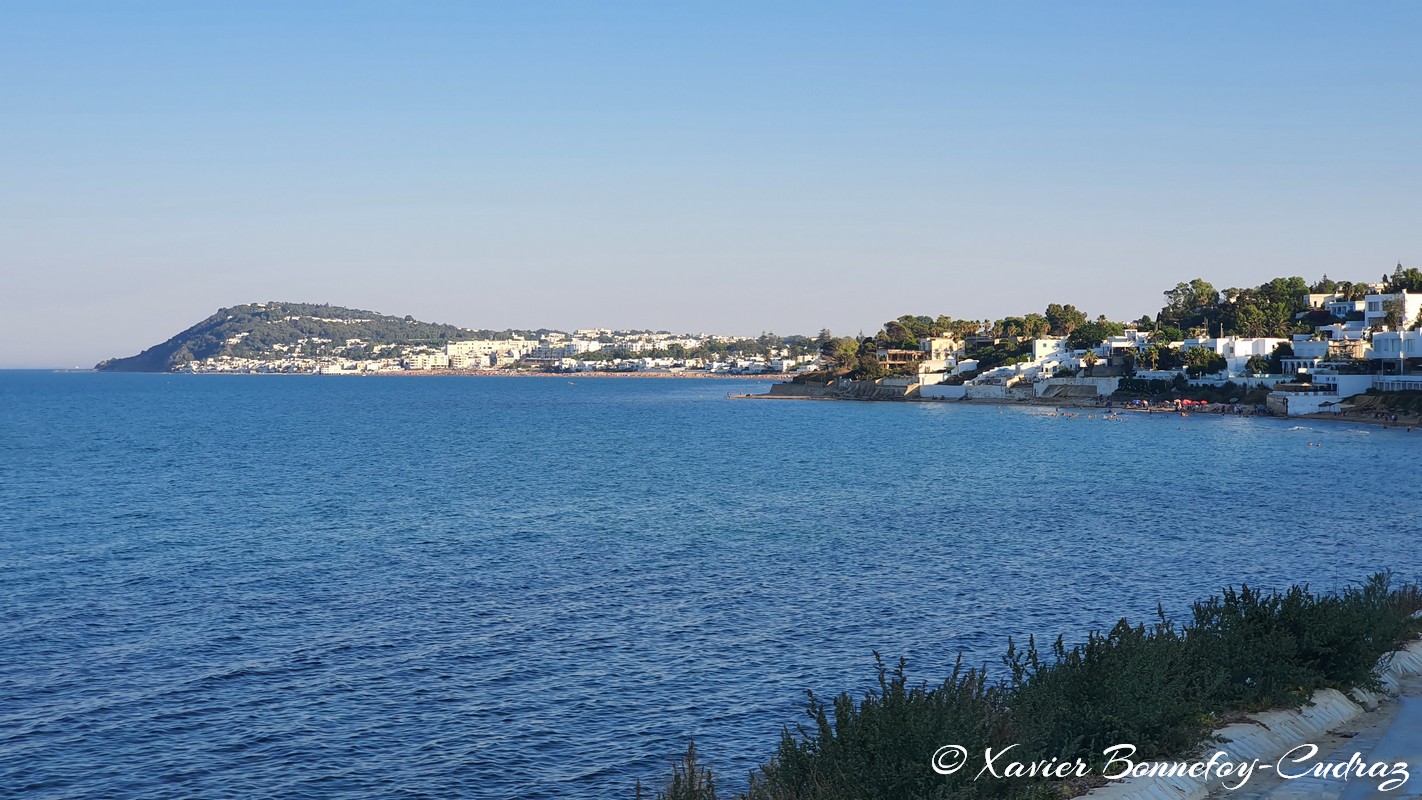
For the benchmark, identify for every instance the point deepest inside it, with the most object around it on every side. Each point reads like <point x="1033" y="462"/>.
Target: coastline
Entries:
<point x="452" y="373"/>
<point x="573" y="376"/>
<point x="1405" y="422"/>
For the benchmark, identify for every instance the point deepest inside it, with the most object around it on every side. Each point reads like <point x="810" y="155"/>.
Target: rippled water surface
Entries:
<point x="431" y="587"/>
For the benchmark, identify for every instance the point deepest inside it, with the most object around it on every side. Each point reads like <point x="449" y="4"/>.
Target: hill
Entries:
<point x="266" y="330"/>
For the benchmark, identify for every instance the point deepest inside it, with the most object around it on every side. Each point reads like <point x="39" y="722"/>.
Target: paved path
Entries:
<point x="1391" y="734"/>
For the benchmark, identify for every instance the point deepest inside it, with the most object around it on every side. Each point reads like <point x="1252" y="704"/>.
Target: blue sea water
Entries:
<point x="306" y="587"/>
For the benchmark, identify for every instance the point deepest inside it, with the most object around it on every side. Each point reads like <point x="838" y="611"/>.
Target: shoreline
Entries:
<point x="1403" y="422"/>
<point x="774" y="377"/>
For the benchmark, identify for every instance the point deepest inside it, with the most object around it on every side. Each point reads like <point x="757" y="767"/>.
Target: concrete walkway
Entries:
<point x="1393" y="733"/>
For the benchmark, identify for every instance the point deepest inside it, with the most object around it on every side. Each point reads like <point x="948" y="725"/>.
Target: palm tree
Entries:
<point x="1151" y="356"/>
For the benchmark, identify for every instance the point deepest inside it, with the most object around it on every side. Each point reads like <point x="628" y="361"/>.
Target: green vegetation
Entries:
<point x="1094" y="333"/>
<point x="1195" y="308"/>
<point x="1282" y="351"/>
<point x="689" y="781"/>
<point x="1409" y="280"/>
<point x="1180" y="389"/>
<point x="1001" y="354"/>
<point x="1161" y="687"/>
<point x="252" y="331"/>
<point x="764" y="345"/>
<point x="1269" y="309"/>
<point x="1277" y="308"/>
<point x="1199" y="361"/>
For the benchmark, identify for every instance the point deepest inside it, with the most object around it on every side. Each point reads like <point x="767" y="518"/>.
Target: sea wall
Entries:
<point x="986" y="392"/>
<point x="808" y="390"/>
<point x="944" y="391"/>
<point x="1297" y="404"/>
<point x="845" y="390"/>
<point x="1103" y="386"/>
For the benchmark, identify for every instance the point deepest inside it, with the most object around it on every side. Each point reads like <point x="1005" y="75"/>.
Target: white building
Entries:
<point x="940" y="348"/>
<point x="511" y="348"/>
<point x="1130" y="339"/>
<point x="1376" y="308"/>
<point x="1342" y="308"/>
<point x="1307" y="355"/>
<point x="1393" y="345"/>
<point x="426" y="360"/>
<point x="1346" y="331"/>
<point x="1045" y="347"/>
<point x="471" y="361"/>
<point x="1236" y="350"/>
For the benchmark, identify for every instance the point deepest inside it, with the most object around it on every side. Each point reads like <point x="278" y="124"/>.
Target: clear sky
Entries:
<point x="725" y="166"/>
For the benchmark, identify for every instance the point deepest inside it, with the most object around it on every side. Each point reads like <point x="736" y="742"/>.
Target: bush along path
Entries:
<point x="1161" y="688"/>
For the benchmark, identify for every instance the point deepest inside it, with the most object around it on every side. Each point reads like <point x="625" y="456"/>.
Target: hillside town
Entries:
<point x="583" y="351"/>
<point x="1353" y="342"/>
<point x="1308" y="347"/>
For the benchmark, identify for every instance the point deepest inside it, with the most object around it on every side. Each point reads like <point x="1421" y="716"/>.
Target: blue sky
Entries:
<point x="722" y="166"/>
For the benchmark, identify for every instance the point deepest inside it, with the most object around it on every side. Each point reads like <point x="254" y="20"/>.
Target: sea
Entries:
<point x="218" y="586"/>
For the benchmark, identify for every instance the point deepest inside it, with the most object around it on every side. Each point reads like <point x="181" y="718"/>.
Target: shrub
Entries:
<point x="1130" y="685"/>
<point x="880" y="745"/>
<point x="689" y="781"/>
<point x="1159" y="687"/>
<point x="1276" y="649"/>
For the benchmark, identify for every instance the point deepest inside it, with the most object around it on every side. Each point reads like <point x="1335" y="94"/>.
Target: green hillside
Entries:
<point x="255" y="330"/>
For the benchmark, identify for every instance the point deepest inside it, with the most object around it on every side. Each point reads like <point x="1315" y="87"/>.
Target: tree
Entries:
<point x="1035" y="326"/>
<point x="1063" y="319"/>
<point x="842" y="354"/>
<point x="1392" y="313"/>
<point x="1090" y="360"/>
<point x="1129" y="357"/>
<point x="870" y="368"/>
<point x="963" y="328"/>
<point x="1258" y="365"/>
<point x="1324" y="286"/>
<point x="1150" y="357"/>
<point x="1170" y="358"/>
<point x="1201" y="361"/>
<point x="920" y="327"/>
<point x="896" y="334"/>
<point x="1167" y="333"/>
<point x="1404" y="280"/>
<point x="1288" y="291"/>
<point x="1354" y="291"/>
<point x="1282" y="350"/>
<point x="1011" y="326"/>
<point x="1249" y="321"/>
<point x="1094" y="333"/>
<point x="1190" y="303"/>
